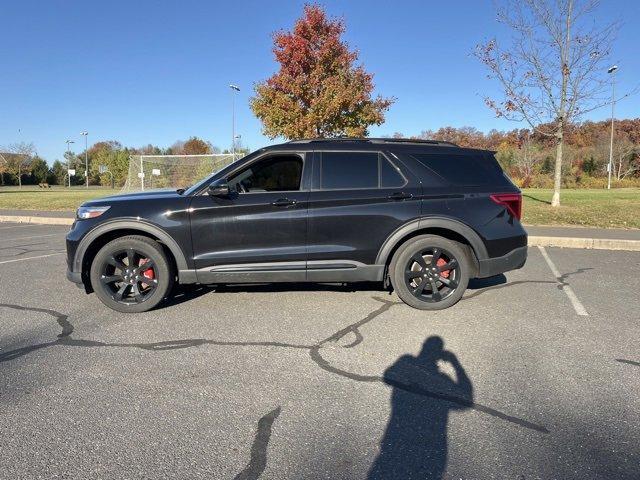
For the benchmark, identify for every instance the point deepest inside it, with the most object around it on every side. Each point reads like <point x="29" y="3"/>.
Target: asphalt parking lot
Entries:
<point x="532" y="375"/>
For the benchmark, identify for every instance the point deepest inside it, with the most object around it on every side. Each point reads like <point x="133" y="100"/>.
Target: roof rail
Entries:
<point x="375" y="140"/>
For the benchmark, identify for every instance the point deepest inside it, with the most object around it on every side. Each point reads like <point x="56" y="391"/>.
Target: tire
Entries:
<point x="131" y="290"/>
<point x="414" y="274"/>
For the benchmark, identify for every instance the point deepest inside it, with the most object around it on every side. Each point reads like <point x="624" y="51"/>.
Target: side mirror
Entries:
<point x="219" y="189"/>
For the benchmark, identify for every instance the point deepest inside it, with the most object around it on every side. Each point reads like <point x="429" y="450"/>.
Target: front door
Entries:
<point x="259" y="231"/>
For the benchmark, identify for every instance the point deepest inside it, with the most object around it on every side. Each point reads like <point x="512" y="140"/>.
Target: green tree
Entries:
<point x="112" y="155"/>
<point x="58" y="173"/>
<point x="39" y="170"/>
<point x="319" y="90"/>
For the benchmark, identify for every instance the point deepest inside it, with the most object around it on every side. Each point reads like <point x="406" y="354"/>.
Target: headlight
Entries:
<point x="90" y="212"/>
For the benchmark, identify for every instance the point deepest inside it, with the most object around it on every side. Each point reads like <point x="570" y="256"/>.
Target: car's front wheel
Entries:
<point x="131" y="274"/>
<point x="430" y="272"/>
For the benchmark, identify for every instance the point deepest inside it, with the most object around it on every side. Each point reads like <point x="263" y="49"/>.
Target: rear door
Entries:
<point x="358" y="199"/>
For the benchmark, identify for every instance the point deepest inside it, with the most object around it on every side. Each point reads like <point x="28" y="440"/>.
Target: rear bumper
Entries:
<point x="513" y="260"/>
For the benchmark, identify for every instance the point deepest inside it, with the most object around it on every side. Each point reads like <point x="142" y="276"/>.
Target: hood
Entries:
<point x="128" y="197"/>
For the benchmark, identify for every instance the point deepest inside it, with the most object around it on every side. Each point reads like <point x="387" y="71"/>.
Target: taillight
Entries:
<point x="512" y="202"/>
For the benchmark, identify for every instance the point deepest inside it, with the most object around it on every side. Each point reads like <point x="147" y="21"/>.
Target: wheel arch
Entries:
<point x="101" y="235"/>
<point x="442" y="226"/>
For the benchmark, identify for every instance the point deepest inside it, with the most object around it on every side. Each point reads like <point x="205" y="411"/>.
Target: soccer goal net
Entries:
<point x="148" y="172"/>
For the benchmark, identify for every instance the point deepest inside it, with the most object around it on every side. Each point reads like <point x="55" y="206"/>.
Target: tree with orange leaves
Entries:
<point x="320" y="90"/>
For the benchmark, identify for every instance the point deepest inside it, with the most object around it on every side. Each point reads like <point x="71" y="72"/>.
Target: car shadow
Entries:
<point x="184" y="293"/>
<point x="415" y="443"/>
<point x="474" y="284"/>
<point x="478" y="283"/>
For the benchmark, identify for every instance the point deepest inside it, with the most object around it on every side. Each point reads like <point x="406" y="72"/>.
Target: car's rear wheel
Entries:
<point x="131" y="274"/>
<point x="430" y="272"/>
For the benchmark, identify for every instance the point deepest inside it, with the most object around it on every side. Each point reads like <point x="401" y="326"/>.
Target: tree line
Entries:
<point x="529" y="157"/>
<point x="20" y="165"/>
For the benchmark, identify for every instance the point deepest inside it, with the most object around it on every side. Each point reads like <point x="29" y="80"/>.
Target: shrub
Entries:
<point x="592" y="182"/>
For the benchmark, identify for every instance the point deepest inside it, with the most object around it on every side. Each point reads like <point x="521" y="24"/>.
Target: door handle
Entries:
<point x="400" y="196"/>
<point x="283" y="202"/>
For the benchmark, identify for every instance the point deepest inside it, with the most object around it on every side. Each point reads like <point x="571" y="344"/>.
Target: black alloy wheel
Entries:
<point x="430" y="272"/>
<point x="131" y="274"/>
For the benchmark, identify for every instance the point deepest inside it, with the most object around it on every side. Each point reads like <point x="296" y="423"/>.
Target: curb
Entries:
<point x="36" y="220"/>
<point x="585" y="243"/>
<point x="534" y="241"/>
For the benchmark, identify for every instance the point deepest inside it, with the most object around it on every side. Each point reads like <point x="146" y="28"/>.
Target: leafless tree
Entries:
<point x="16" y="159"/>
<point x="554" y="67"/>
<point x="527" y="156"/>
<point x="626" y="155"/>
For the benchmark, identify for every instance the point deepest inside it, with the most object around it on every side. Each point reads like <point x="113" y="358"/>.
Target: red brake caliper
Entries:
<point x="149" y="272"/>
<point x="440" y="263"/>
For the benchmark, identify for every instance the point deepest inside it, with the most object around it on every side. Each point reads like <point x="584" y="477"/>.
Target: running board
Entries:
<point x="316" y="271"/>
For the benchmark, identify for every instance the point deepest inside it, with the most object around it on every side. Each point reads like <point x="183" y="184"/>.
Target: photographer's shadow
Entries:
<point x="415" y="441"/>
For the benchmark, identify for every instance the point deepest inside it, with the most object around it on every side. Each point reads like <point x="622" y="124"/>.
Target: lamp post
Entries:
<point x="85" y="134"/>
<point x="612" y="70"/>
<point x="68" y="142"/>
<point x="234" y="88"/>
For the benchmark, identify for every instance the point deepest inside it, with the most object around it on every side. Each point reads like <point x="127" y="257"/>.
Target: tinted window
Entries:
<point x="462" y="169"/>
<point x="389" y="176"/>
<point x="349" y="170"/>
<point x="274" y="174"/>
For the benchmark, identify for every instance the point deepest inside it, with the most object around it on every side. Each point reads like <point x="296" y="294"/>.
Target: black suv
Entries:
<point x="423" y="217"/>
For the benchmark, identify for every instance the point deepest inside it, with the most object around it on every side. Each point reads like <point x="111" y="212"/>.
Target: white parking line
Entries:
<point x="24" y="226"/>
<point x="36" y="236"/>
<point x="577" y="306"/>
<point x="31" y="258"/>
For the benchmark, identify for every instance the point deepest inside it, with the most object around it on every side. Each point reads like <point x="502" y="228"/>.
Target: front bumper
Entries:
<point x="75" y="277"/>
<point x="513" y="260"/>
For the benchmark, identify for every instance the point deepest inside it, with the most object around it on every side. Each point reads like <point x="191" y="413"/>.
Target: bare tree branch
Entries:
<point x="553" y="69"/>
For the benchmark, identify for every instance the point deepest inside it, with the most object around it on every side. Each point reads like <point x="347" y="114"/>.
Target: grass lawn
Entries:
<point x="55" y="198"/>
<point x="618" y="208"/>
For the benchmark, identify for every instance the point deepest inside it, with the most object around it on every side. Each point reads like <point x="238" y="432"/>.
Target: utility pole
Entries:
<point x="85" y="134"/>
<point x="612" y="71"/>
<point x="234" y="88"/>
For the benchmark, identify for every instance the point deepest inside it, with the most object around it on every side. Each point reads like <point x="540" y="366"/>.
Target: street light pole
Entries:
<point x="68" y="165"/>
<point x="85" y="134"/>
<point x="612" y="71"/>
<point x="234" y="88"/>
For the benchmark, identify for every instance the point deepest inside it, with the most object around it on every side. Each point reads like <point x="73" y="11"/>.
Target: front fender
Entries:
<point x="129" y="224"/>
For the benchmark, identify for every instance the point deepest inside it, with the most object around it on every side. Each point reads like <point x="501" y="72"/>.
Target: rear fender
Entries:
<point x="476" y="243"/>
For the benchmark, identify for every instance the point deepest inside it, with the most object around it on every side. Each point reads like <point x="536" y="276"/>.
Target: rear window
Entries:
<point x="467" y="170"/>
<point x="349" y="170"/>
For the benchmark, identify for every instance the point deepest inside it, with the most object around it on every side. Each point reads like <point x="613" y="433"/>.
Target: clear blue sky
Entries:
<point x="154" y="72"/>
